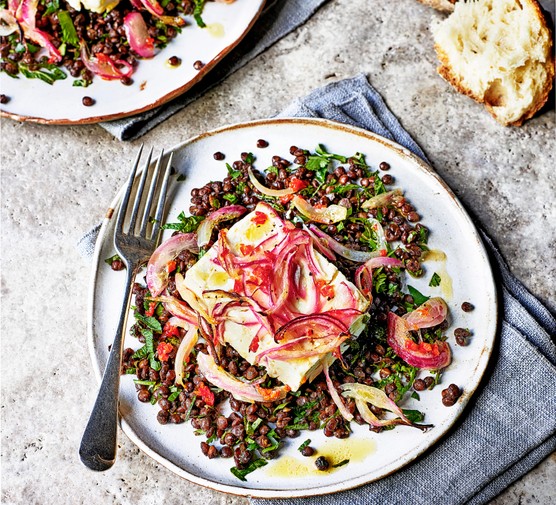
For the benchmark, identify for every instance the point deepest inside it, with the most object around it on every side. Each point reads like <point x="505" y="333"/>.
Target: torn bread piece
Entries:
<point x="440" y="5"/>
<point x="498" y="52"/>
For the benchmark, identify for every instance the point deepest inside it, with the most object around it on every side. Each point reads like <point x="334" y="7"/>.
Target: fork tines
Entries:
<point x="144" y="218"/>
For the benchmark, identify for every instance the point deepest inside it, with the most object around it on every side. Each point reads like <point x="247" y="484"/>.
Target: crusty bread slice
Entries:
<point x="440" y="5"/>
<point x="498" y="52"/>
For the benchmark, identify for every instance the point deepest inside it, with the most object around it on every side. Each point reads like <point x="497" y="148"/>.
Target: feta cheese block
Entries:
<point x="262" y="274"/>
<point x="98" y="6"/>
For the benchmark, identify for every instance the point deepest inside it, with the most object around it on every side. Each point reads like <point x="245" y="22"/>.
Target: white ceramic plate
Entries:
<point x="154" y="81"/>
<point x="371" y="455"/>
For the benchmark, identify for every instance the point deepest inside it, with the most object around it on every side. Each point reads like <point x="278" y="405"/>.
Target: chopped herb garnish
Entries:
<point x="69" y="35"/>
<point x="435" y="280"/>
<point x="304" y="444"/>
<point x="418" y="297"/>
<point x="414" y="416"/>
<point x="197" y="11"/>
<point x="230" y="197"/>
<point x="111" y="260"/>
<point x="185" y="224"/>
<point x="341" y="463"/>
<point x="234" y="174"/>
<point x="48" y="73"/>
<point x="254" y="465"/>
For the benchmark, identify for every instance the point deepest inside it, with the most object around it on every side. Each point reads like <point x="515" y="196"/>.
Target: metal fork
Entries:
<point x="99" y="442"/>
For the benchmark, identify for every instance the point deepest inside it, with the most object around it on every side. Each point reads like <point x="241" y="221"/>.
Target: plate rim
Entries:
<point x="461" y="405"/>
<point x="157" y="103"/>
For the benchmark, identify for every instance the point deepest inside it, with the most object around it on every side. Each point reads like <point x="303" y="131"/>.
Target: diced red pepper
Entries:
<point x="171" y="266"/>
<point x="205" y="393"/>
<point x="259" y="217"/>
<point x="325" y="289"/>
<point x="238" y="286"/>
<point x="163" y="350"/>
<point x="246" y="249"/>
<point x="170" y="331"/>
<point x="284" y="200"/>
<point x="297" y="184"/>
<point x="150" y="311"/>
<point x="254" y="345"/>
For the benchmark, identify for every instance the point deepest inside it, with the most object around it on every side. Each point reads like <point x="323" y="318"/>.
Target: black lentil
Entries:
<point x="322" y="463"/>
<point x="467" y="307"/>
<point x="88" y="101"/>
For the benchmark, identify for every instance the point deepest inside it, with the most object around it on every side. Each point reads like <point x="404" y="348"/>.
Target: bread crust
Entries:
<point x="440" y="5"/>
<point x="445" y="70"/>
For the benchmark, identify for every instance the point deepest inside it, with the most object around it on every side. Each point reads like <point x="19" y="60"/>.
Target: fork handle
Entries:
<point x="98" y="444"/>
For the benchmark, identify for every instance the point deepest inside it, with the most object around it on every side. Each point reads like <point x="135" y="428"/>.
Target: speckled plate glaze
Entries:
<point x="372" y="456"/>
<point x="154" y="81"/>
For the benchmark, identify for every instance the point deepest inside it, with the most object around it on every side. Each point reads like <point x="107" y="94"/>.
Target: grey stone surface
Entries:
<point x="57" y="181"/>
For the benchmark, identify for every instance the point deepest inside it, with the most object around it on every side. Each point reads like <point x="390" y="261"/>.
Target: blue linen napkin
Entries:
<point x="278" y="18"/>
<point x="509" y="426"/>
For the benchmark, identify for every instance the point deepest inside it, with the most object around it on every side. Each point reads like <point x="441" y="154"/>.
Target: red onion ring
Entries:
<point x="421" y="355"/>
<point x="137" y="35"/>
<point x="227" y="213"/>
<point x="157" y="271"/>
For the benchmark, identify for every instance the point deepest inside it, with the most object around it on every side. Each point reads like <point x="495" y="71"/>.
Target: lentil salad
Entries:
<point x="44" y="39"/>
<point x="255" y="431"/>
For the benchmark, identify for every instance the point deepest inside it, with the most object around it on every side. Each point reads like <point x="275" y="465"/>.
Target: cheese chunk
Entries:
<point x="207" y="283"/>
<point x="98" y="6"/>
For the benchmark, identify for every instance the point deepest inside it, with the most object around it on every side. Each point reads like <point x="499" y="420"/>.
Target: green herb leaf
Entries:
<point x="150" y="322"/>
<point x="69" y="35"/>
<point x="435" y="280"/>
<point x="48" y="73"/>
<point x="254" y="465"/>
<point x="185" y="224"/>
<point x="111" y="260"/>
<point x="418" y="297"/>
<point x="414" y="415"/>
<point x="230" y="197"/>
<point x="341" y="463"/>
<point x="415" y="396"/>
<point x="81" y="83"/>
<point x="52" y="7"/>
<point x="234" y="174"/>
<point x="304" y="444"/>
<point x="197" y="11"/>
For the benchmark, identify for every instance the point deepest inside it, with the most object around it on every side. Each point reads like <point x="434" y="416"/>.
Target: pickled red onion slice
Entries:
<point x="346" y="414"/>
<point x="103" y="66"/>
<point x="303" y="347"/>
<point x="364" y="274"/>
<point x="8" y="23"/>
<point x="431" y="313"/>
<point x="186" y="346"/>
<point x="227" y="213"/>
<point x="137" y="35"/>
<point x="327" y="215"/>
<point x="382" y="200"/>
<point x="243" y="391"/>
<point x="267" y="191"/>
<point x="157" y="267"/>
<point x="177" y="308"/>
<point x="421" y="355"/>
<point x="338" y="248"/>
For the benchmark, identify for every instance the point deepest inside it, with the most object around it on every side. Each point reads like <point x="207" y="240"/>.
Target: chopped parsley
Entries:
<point x="435" y="280"/>
<point x="197" y="11"/>
<point x="185" y="224"/>
<point x="254" y="465"/>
